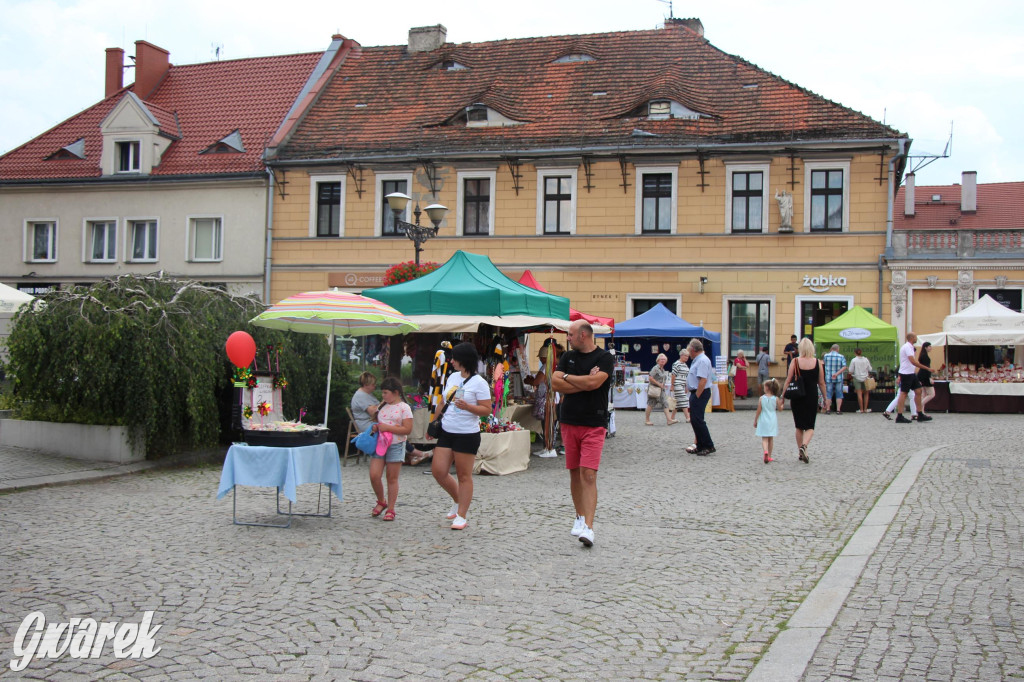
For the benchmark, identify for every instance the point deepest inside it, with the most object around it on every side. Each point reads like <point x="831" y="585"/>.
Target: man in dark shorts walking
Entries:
<point x="909" y="383"/>
<point x="583" y="377"/>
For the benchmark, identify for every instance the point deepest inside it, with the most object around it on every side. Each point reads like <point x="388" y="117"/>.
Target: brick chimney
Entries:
<point x="693" y="24"/>
<point x="427" y="38"/>
<point x="969" y="192"/>
<point x="115" y="71"/>
<point x="151" y="65"/>
<point x="908" y="195"/>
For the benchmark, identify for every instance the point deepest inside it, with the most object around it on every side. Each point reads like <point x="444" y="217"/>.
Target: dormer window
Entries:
<point x="481" y="116"/>
<point x="476" y="114"/>
<point x="659" y="109"/>
<point x="75" y="150"/>
<point x="226" y="145"/>
<point x="127" y="157"/>
<point x="451" y="65"/>
<point x="574" y="58"/>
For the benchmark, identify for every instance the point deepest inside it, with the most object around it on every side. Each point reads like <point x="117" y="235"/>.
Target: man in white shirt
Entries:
<point x="860" y="370"/>
<point x="908" y="383"/>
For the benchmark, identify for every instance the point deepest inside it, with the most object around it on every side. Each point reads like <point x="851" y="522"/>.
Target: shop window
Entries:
<point x="814" y="313"/>
<point x="749" y="326"/>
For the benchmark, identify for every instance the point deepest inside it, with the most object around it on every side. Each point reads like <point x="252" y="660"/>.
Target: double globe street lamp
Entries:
<point x="419" y="234"/>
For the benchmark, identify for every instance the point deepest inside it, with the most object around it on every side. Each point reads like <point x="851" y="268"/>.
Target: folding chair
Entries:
<point x="352" y="433"/>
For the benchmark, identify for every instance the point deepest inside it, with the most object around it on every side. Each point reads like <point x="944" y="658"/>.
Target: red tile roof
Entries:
<point x="198" y="103"/>
<point x="387" y="100"/>
<point x="1000" y="206"/>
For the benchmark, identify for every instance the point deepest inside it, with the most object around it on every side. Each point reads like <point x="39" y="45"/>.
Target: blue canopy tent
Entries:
<point x="659" y="327"/>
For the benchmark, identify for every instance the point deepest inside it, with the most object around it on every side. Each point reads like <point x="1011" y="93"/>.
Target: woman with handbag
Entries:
<point x="657" y="391"/>
<point x="467" y="398"/>
<point x="806" y="375"/>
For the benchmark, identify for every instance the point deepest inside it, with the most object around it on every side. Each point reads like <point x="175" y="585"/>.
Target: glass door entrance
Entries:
<point x="816" y="313"/>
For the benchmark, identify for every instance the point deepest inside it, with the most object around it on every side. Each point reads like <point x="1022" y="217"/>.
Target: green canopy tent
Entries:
<point x="468" y="291"/>
<point x="857" y="328"/>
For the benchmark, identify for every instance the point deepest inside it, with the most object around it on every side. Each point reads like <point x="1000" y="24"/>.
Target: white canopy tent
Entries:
<point x="11" y="301"/>
<point x="985" y="323"/>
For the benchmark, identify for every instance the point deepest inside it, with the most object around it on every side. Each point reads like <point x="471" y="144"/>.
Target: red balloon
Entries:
<point x="241" y="349"/>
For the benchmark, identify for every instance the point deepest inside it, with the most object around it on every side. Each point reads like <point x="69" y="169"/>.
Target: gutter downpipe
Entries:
<point x="890" y="200"/>
<point x="270" y="235"/>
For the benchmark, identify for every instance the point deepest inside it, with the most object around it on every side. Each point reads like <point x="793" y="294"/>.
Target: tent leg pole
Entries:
<point x="330" y="372"/>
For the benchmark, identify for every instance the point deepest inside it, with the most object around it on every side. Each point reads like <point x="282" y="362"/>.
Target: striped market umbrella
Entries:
<point x="334" y="313"/>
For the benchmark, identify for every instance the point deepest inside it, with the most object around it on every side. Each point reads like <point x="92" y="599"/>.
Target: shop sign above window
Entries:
<point x="822" y="283"/>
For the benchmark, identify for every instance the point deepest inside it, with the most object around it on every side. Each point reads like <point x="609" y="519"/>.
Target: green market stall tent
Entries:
<point x="858" y="328"/>
<point x="468" y="291"/>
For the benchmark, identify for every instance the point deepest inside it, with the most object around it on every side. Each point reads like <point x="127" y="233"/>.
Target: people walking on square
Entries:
<point x="835" y="367"/>
<point x="908" y="384"/>
<point x="766" y="422"/>
<point x="860" y="371"/>
<point x="764" y="362"/>
<point x="811" y="373"/>
<point x="925" y="377"/>
<point x="583" y="378"/>
<point x="394" y="424"/>
<point x="680" y="369"/>
<point x="698" y="382"/>
<point x="469" y="399"/>
<point x="740" y="380"/>
<point x="658" y="382"/>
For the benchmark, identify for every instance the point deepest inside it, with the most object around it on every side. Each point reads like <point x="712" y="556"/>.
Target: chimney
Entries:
<point x="151" y="65"/>
<point x="969" y="192"/>
<point x="115" y="71"/>
<point x="426" y="38"/>
<point x="908" y="195"/>
<point x="693" y="24"/>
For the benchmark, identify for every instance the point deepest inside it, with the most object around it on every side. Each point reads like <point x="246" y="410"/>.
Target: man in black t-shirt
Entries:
<point x="583" y="377"/>
<point x="790" y="350"/>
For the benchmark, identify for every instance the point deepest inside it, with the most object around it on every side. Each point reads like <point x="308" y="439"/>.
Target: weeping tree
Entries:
<point x="147" y="353"/>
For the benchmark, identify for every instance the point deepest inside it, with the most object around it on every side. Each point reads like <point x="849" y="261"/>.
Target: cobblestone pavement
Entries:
<point x="697" y="565"/>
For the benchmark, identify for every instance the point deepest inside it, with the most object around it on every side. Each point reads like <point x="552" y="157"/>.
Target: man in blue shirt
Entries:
<point x="698" y="381"/>
<point x="835" y="366"/>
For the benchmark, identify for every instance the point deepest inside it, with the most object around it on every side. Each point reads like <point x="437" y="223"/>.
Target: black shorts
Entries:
<point x="909" y="383"/>
<point x="468" y="443"/>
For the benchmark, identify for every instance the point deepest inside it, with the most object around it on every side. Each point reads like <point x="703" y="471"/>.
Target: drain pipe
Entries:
<point x="270" y="232"/>
<point x="890" y="200"/>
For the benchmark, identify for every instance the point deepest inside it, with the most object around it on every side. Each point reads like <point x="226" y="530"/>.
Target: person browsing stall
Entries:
<point x="583" y="377"/>
<point x="394" y="424"/>
<point x="470" y="398"/>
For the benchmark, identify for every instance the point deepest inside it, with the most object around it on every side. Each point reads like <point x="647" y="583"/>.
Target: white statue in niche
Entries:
<point x="785" y="200"/>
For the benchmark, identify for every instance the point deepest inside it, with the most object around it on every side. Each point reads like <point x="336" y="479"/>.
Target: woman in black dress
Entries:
<point x="925" y="376"/>
<point x="812" y="374"/>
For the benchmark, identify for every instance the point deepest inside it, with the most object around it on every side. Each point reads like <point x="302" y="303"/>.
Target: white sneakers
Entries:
<point x="453" y="512"/>
<point x="459" y="523"/>
<point x="587" y="536"/>
<point x="577" y="527"/>
<point x="547" y="454"/>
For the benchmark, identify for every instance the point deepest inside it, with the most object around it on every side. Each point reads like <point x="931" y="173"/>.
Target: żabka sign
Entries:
<point x="855" y="333"/>
<point x="82" y="638"/>
<point x="822" y="283"/>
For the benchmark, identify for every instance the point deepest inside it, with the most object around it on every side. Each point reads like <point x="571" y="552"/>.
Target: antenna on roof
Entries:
<point x="216" y="48"/>
<point x="669" y="3"/>
<point x="919" y="161"/>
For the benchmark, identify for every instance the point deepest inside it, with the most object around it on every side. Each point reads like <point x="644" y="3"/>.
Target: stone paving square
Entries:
<point x="697" y="566"/>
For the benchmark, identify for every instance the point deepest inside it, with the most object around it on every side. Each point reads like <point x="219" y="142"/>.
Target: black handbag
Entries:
<point x="795" y="388"/>
<point x="434" y="427"/>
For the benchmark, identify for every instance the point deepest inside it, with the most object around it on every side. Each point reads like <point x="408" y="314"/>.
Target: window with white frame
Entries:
<point x="142" y="241"/>
<point x="326" y="205"/>
<point x="826" y="196"/>
<point x="127" y="156"/>
<point x="206" y="241"/>
<point x="389" y="184"/>
<point x="101" y="241"/>
<point x="656" y="200"/>
<point x="749" y="327"/>
<point x="476" y="202"/>
<point x="556" y="201"/>
<point x="746" y="197"/>
<point x="41" y="241"/>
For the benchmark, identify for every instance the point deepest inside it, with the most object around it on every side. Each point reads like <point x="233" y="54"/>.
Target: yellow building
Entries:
<point x="623" y="169"/>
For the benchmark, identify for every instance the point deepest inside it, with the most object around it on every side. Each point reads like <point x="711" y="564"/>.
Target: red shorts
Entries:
<point x="583" y="445"/>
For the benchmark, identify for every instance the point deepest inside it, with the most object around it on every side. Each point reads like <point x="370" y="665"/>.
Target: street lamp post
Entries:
<point x="397" y="202"/>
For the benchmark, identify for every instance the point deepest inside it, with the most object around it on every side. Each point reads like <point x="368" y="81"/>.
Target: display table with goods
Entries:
<point x="522" y="414"/>
<point x="995" y="390"/>
<point x="283" y="468"/>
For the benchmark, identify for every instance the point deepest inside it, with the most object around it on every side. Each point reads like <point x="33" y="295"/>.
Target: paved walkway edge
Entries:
<point x="788" y="656"/>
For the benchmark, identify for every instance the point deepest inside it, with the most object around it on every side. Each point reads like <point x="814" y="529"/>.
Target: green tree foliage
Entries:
<point x="147" y="353"/>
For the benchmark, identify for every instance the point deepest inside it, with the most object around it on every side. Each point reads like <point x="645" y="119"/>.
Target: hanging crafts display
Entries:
<point x="442" y="368"/>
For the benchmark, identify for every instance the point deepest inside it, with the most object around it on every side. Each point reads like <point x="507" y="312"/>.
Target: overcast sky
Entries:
<point x="919" y="65"/>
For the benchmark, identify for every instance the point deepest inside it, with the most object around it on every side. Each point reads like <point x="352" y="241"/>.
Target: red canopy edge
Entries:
<point x="529" y="280"/>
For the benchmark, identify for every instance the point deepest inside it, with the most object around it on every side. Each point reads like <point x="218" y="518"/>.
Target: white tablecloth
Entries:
<point x="630" y="396"/>
<point x="987" y="389"/>
<point x="503" y="453"/>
